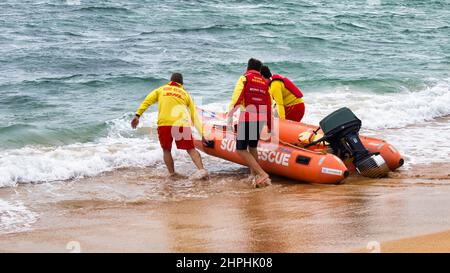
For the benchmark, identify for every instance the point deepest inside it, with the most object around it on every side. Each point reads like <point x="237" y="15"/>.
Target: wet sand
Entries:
<point x="138" y="210"/>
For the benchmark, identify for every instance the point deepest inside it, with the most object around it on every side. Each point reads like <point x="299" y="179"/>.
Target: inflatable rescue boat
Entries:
<point x="337" y="136"/>
<point x="292" y="162"/>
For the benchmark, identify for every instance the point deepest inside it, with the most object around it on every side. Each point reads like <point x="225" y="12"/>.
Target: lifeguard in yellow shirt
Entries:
<point x="287" y="96"/>
<point x="174" y="122"/>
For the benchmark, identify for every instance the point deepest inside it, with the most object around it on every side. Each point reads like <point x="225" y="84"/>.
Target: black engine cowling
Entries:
<point x="341" y="131"/>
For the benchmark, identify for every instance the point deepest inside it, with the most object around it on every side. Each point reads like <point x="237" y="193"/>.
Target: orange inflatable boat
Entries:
<point x="308" y="137"/>
<point x="292" y="162"/>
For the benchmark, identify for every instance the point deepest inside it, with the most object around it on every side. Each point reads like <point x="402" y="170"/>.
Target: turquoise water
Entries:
<point x="73" y="72"/>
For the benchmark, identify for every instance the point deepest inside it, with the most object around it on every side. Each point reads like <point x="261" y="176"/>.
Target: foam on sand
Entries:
<point x="15" y="217"/>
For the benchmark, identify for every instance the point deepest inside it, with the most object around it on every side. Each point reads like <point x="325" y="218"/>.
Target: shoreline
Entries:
<point x="138" y="210"/>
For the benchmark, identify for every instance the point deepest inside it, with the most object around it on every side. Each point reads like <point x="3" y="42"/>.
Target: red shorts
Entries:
<point x="295" y="112"/>
<point x="181" y="135"/>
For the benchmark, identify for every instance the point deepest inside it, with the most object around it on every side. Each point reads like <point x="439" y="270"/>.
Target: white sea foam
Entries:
<point x="38" y="164"/>
<point x="387" y="110"/>
<point x="120" y="149"/>
<point x="422" y="143"/>
<point x="15" y="217"/>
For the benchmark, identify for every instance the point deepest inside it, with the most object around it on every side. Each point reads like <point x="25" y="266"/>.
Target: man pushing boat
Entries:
<point x="174" y="122"/>
<point x="251" y="96"/>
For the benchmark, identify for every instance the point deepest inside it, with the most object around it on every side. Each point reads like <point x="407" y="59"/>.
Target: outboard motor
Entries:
<point x="341" y="131"/>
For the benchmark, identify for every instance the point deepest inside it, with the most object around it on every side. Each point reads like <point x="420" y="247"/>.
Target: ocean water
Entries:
<point x="73" y="72"/>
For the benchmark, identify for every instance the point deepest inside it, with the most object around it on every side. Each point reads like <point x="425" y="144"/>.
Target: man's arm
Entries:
<point x="148" y="101"/>
<point x="276" y="89"/>
<point x="236" y="98"/>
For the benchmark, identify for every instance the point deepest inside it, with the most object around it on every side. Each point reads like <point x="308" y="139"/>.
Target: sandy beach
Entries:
<point x="431" y="243"/>
<point x="135" y="210"/>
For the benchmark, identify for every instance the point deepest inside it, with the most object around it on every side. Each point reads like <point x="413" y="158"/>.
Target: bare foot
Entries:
<point x="263" y="181"/>
<point x="200" y="174"/>
<point x="267" y="182"/>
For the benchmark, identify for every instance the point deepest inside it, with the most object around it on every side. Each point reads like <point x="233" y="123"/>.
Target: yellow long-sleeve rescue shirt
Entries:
<point x="283" y="97"/>
<point x="173" y="105"/>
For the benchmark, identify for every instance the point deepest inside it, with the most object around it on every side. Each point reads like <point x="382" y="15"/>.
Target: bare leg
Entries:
<point x="254" y="153"/>
<point x="252" y="163"/>
<point x="168" y="159"/>
<point x="196" y="158"/>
